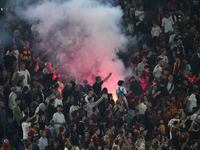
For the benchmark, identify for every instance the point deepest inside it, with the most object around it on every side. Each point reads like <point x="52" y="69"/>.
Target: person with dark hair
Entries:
<point x="26" y="96"/>
<point x="74" y="136"/>
<point x="9" y="59"/>
<point x="121" y="90"/>
<point x="108" y="118"/>
<point x="95" y="141"/>
<point x="93" y="118"/>
<point x="17" y="114"/>
<point x="28" y="146"/>
<point x="176" y="139"/>
<point x="35" y="143"/>
<point x="26" y="127"/>
<point x="97" y="85"/>
<point x="61" y="135"/>
<point x="81" y="128"/>
<point x="135" y="86"/>
<point x="58" y="118"/>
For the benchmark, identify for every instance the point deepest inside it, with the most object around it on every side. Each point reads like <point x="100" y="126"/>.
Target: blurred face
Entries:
<point x="87" y="134"/>
<point x="18" y="102"/>
<point x="146" y="69"/>
<point x="144" y="60"/>
<point x="37" y="45"/>
<point x="23" y="66"/>
<point x="44" y="134"/>
<point x="98" y="132"/>
<point x="27" y="45"/>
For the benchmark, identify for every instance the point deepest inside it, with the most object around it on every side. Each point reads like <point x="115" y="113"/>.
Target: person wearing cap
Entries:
<point x="141" y="65"/>
<point x="158" y="69"/>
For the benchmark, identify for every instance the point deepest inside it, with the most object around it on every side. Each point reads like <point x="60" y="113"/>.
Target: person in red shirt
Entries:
<point x="108" y="119"/>
<point x="48" y="132"/>
<point x="33" y="133"/>
<point x="172" y="106"/>
<point x="61" y="135"/>
<point x="167" y="118"/>
<point x="95" y="139"/>
<point x="93" y="118"/>
<point x="74" y="117"/>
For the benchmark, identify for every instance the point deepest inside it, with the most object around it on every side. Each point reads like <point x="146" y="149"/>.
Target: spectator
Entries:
<point x="12" y="97"/>
<point x="58" y="118"/>
<point x="167" y="24"/>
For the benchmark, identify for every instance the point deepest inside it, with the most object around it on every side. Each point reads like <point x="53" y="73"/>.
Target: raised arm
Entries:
<point x="104" y="80"/>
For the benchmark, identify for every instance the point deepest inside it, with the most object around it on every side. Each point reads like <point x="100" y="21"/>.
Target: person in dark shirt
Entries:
<point x="97" y="85"/>
<point x="176" y="139"/>
<point x="82" y="126"/>
<point x="73" y="82"/>
<point x="9" y="60"/>
<point x="135" y="86"/>
<point x="76" y="91"/>
<point x="51" y="109"/>
<point x="163" y="90"/>
<point x="67" y="91"/>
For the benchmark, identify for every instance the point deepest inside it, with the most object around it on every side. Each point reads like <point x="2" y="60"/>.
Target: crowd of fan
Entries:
<point x="160" y="111"/>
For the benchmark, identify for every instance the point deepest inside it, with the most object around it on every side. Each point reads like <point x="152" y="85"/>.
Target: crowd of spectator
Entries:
<point x="157" y="110"/>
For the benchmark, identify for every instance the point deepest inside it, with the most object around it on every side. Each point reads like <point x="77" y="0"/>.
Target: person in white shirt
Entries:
<point x="171" y="123"/>
<point x="90" y="93"/>
<point x="167" y="23"/>
<point x="197" y="112"/>
<point x="142" y="107"/>
<point x="58" y="100"/>
<point x="58" y="118"/>
<point x="140" y="13"/>
<point x="26" y="127"/>
<point x="170" y="84"/>
<point x="164" y="58"/>
<point x="75" y="106"/>
<point x="12" y="97"/>
<point x="25" y="73"/>
<point x="192" y="100"/>
<point x="155" y="31"/>
<point x="122" y="90"/>
<point x="43" y="142"/>
<point x="157" y="71"/>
